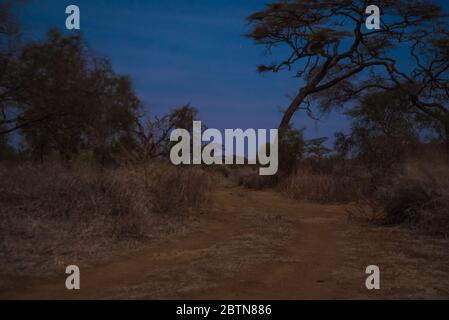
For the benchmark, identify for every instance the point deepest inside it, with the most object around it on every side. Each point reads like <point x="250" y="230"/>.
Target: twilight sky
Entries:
<point x="186" y="51"/>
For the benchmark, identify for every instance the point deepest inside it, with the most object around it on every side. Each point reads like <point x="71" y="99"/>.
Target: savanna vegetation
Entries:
<point x="395" y="156"/>
<point x="81" y="156"/>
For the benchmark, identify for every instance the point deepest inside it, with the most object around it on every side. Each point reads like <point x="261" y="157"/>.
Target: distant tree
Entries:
<point x="153" y="135"/>
<point x="387" y="113"/>
<point x="316" y="150"/>
<point x="342" y="145"/>
<point x="328" y="46"/>
<point x="182" y="118"/>
<point x="385" y="129"/>
<point x="293" y="149"/>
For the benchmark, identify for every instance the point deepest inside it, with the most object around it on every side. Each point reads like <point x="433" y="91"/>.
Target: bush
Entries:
<point x="417" y="197"/>
<point x="50" y="213"/>
<point x="322" y="188"/>
<point x="125" y="196"/>
<point x="175" y="190"/>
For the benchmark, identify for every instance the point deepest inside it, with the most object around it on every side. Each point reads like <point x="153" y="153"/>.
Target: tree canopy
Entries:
<point x="328" y="46"/>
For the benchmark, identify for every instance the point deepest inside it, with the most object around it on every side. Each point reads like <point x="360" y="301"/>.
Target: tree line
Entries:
<point x="393" y="83"/>
<point x="64" y="100"/>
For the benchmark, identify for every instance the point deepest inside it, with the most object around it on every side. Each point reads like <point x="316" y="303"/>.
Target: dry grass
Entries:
<point x="322" y="188"/>
<point x="250" y="178"/>
<point x="174" y="191"/>
<point x="50" y="213"/>
<point x="417" y="197"/>
<point x="412" y="267"/>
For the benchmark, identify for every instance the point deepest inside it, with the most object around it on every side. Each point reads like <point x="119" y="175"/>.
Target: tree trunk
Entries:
<point x="288" y="115"/>
<point x="284" y="125"/>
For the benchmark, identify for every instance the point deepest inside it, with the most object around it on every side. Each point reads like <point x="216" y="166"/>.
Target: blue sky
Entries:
<point x="186" y="51"/>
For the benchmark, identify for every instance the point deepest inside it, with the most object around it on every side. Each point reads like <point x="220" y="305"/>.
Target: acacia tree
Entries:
<point x="426" y="84"/>
<point x="327" y="45"/>
<point x="422" y="84"/>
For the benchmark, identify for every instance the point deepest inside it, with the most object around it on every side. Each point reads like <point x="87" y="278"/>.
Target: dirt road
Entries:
<point x="255" y="245"/>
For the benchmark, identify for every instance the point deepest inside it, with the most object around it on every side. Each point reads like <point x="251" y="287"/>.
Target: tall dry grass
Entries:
<point x="322" y="188"/>
<point x="49" y="211"/>
<point x="418" y="197"/>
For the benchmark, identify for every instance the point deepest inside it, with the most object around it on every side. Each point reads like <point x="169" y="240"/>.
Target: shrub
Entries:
<point x="126" y="196"/>
<point x="50" y="212"/>
<point x="417" y="197"/>
<point x="175" y="190"/>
